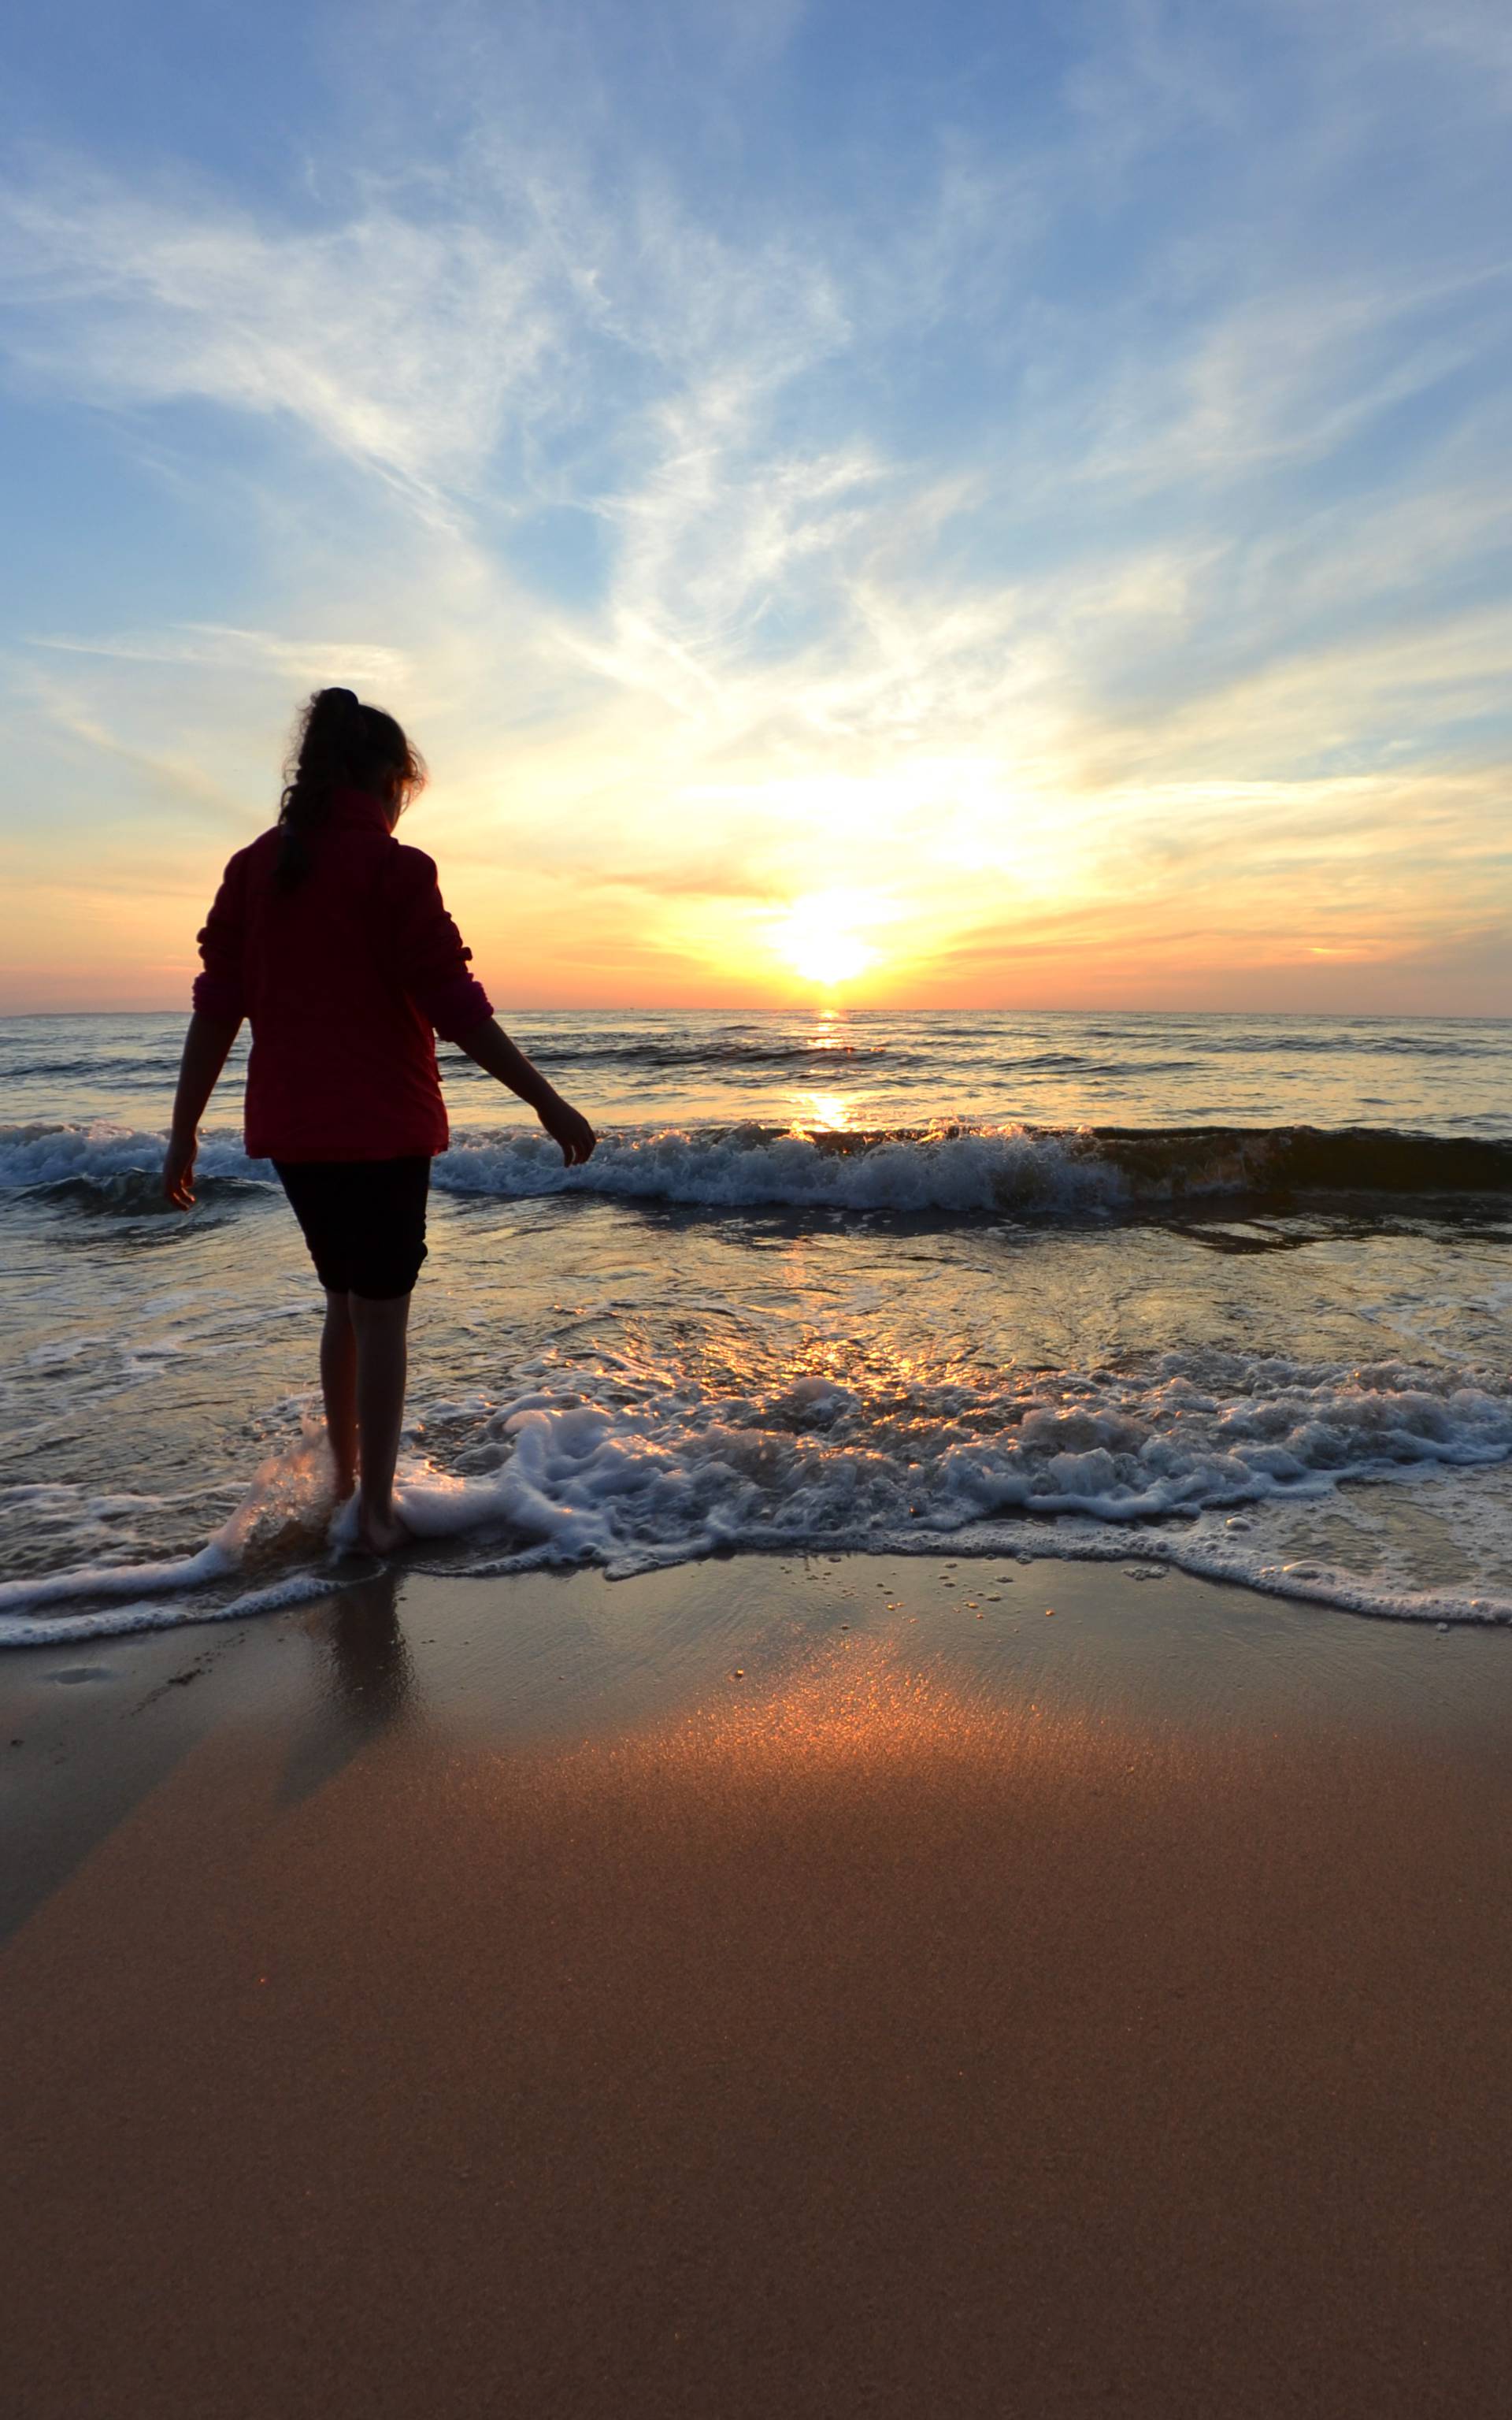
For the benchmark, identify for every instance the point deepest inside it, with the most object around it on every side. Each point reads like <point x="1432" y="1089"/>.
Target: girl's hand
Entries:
<point x="178" y="1171"/>
<point x="568" y="1127"/>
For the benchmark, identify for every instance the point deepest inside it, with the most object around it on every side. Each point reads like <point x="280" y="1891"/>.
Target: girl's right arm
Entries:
<point x="492" y="1048"/>
<point x="207" y="1047"/>
<point x="219" y="1009"/>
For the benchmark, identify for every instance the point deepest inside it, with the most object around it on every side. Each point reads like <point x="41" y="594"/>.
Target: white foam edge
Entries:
<point x="1339" y="1591"/>
<point x="1070" y="1539"/>
<point x="1318" y="1584"/>
<point x="1308" y="1582"/>
<point x="120" y="1621"/>
<point x="212" y="1562"/>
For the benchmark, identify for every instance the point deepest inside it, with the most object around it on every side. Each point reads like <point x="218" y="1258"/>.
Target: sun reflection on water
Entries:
<point x="829" y="1111"/>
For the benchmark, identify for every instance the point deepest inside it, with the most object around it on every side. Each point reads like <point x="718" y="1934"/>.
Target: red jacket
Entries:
<point x="343" y="979"/>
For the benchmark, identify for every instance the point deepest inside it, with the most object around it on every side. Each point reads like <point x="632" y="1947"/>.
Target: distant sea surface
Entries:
<point x="1231" y="1293"/>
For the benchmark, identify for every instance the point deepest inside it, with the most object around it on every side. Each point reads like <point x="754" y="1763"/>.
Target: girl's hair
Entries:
<point x="339" y="744"/>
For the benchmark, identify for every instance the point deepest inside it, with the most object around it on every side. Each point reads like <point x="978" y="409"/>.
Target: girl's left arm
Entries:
<point x="207" y="1047"/>
<point x="431" y="957"/>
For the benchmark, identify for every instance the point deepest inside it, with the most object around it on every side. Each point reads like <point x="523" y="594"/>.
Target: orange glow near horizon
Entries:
<point x="1065" y="915"/>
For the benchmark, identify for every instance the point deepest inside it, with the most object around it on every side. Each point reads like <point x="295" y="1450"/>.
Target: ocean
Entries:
<point x="1228" y="1294"/>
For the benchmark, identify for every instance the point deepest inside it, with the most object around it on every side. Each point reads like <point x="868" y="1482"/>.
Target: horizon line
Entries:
<point x="824" y="1007"/>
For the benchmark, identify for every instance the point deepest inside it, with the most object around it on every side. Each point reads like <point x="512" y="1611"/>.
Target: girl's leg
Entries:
<point x="379" y="1328"/>
<point x="338" y="1384"/>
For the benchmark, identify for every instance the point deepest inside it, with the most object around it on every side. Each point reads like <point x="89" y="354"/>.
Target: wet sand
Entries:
<point x="754" y="1990"/>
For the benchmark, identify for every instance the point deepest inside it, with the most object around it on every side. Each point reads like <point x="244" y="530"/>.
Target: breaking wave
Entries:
<point x="960" y="1169"/>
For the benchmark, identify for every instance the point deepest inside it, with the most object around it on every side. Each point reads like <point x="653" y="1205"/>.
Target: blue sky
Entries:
<point x="1023" y="488"/>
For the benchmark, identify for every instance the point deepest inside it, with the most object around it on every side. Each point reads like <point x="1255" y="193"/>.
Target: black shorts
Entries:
<point x="363" y="1219"/>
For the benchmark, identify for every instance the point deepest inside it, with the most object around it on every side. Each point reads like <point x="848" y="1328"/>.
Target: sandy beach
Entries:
<point x="756" y="1212"/>
<point x="764" y="1987"/>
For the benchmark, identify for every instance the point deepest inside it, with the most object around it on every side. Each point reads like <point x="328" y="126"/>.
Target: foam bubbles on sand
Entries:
<point x="629" y="1470"/>
<point x="285" y="1514"/>
<point x="1086" y="1461"/>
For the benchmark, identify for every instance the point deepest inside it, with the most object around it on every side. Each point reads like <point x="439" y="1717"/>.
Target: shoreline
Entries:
<point x="1141" y="1551"/>
<point x="761" y="1987"/>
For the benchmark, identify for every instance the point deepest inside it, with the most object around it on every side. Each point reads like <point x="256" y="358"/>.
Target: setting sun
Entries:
<point x="819" y="940"/>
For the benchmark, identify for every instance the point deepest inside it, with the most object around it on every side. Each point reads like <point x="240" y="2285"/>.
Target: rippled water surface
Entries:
<point x="1235" y="1292"/>
<point x="1434" y="1075"/>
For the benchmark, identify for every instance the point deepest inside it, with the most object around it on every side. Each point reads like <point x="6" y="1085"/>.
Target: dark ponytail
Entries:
<point x="338" y="744"/>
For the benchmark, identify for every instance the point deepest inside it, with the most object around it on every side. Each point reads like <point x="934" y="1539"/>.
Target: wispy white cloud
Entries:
<point x="315" y="661"/>
<point x="401" y="345"/>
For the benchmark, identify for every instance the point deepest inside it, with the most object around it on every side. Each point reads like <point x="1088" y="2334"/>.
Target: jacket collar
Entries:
<point x="356" y="811"/>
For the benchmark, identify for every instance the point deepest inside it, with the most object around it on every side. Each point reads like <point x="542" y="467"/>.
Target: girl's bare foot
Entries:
<point x="382" y="1533"/>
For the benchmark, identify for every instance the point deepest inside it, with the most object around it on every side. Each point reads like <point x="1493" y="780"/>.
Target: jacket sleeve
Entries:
<point x="430" y="955"/>
<point x="220" y="991"/>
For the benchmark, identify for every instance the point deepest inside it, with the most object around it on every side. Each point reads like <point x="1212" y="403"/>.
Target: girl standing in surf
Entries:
<point x="333" y="940"/>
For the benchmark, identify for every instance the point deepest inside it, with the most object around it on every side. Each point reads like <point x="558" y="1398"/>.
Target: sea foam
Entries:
<point x="1185" y="1460"/>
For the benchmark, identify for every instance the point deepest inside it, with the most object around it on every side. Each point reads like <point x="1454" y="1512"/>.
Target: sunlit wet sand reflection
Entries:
<point x="828" y="1988"/>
